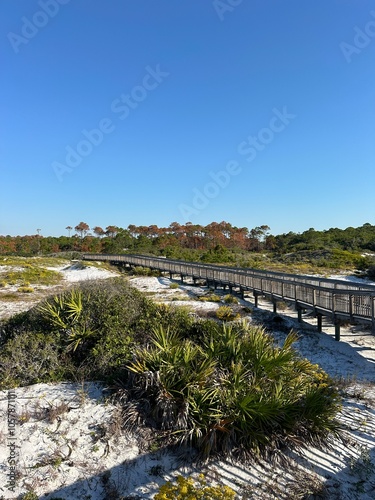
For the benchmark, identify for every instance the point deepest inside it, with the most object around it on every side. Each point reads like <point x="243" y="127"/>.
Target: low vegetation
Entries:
<point x="230" y="299"/>
<point x="231" y="389"/>
<point x="40" y="261"/>
<point x="226" y="313"/>
<point x="10" y="296"/>
<point x="221" y="388"/>
<point x="143" y="271"/>
<point x="209" y="297"/>
<point x="186" y="488"/>
<point x="26" y="272"/>
<point x="25" y="289"/>
<point x="92" y="330"/>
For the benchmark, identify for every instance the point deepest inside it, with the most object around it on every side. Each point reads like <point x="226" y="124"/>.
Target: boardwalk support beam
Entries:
<point x="337" y="330"/>
<point x="255" y="299"/>
<point x="299" y="313"/>
<point x="319" y="317"/>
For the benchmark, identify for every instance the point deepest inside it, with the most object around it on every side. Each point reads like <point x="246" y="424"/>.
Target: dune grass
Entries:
<point x="23" y="271"/>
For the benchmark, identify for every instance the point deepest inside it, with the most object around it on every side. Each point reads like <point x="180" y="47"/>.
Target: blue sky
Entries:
<point x="153" y="111"/>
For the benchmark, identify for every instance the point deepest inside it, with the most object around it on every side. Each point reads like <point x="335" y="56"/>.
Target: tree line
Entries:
<point x="151" y="238"/>
<point x="181" y="240"/>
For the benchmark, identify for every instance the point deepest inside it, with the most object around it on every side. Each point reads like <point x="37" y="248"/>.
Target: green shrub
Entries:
<point x="217" y="254"/>
<point x="230" y="299"/>
<point x="65" y="314"/>
<point x="307" y="260"/>
<point x="203" y="329"/>
<point x="31" y="358"/>
<point x="95" y="326"/>
<point x="92" y="327"/>
<point x="141" y="271"/>
<point x="99" y="322"/>
<point x="173" y="286"/>
<point x="225" y="313"/>
<point x="25" y="289"/>
<point x="177" y="319"/>
<point x="231" y="389"/>
<point x="210" y="297"/>
<point x="144" y="271"/>
<point x="190" y="489"/>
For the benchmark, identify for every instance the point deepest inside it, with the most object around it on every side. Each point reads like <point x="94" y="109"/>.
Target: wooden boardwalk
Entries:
<point x="341" y="301"/>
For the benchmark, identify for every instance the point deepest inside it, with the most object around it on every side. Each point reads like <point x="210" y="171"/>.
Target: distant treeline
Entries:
<point x="211" y="242"/>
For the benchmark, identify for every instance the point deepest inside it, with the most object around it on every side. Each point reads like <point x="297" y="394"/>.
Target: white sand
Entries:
<point x="78" y="272"/>
<point x="72" y="456"/>
<point x="72" y="273"/>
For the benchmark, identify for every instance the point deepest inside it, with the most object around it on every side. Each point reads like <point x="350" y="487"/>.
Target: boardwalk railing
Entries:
<point x="340" y="300"/>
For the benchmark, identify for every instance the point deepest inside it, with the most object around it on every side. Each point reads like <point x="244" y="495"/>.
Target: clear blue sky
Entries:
<point x="123" y="112"/>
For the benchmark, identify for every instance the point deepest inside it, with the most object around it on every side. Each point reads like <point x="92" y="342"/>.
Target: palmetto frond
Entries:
<point x="236" y="390"/>
<point x="77" y="336"/>
<point x="64" y="310"/>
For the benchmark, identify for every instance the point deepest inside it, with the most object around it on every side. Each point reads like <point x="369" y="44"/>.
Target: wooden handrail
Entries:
<point x="335" y="298"/>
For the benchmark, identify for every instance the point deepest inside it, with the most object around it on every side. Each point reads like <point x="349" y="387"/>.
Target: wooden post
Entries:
<point x="337" y="330"/>
<point x="320" y="317"/>
<point x="242" y="293"/>
<point x="255" y="299"/>
<point x="373" y="313"/>
<point x="299" y="312"/>
<point x="182" y="278"/>
<point x="275" y="306"/>
<point x="170" y="275"/>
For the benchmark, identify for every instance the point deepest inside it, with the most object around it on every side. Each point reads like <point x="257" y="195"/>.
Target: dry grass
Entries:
<point x="11" y="297"/>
